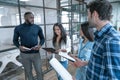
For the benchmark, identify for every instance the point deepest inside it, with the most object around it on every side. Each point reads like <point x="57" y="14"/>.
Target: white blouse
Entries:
<point x="66" y="46"/>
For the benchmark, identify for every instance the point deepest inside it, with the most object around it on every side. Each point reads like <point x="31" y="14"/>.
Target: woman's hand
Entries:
<point x="49" y="52"/>
<point x="79" y="63"/>
<point x="57" y="51"/>
<point x="63" y="50"/>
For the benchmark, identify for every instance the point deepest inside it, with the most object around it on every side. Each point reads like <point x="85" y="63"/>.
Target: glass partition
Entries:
<point x="50" y="3"/>
<point x="32" y="2"/>
<point x="64" y="2"/>
<point x="50" y="16"/>
<point x="6" y="38"/>
<point x="8" y="15"/>
<point x="38" y="14"/>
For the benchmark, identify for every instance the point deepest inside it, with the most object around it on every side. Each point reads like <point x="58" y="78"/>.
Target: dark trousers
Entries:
<point x="32" y="59"/>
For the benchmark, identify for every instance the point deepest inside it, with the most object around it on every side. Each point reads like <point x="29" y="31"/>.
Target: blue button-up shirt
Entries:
<point x="84" y="50"/>
<point x="104" y="63"/>
<point x="84" y="53"/>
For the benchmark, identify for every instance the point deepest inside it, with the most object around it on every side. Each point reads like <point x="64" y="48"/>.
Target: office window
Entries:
<point x="32" y="2"/>
<point x="8" y="15"/>
<point x="51" y="16"/>
<point x="50" y="3"/>
<point x="38" y="14"/>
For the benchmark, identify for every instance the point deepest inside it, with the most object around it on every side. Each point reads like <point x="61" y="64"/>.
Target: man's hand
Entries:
<point x="23" y="48"/>
<point x="37" y="47"/>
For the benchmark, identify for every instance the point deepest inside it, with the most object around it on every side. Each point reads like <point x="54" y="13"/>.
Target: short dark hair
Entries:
<point x="102" y="7"/>
<point x="26" y="13"/>
<point x="87" y="31"/>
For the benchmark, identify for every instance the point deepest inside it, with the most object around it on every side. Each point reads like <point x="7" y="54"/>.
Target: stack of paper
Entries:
<point x="60" y="69"/>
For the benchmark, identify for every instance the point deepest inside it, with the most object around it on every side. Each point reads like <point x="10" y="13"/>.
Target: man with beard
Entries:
<point x="104" y="63"/>
<point x="26" y="39"/>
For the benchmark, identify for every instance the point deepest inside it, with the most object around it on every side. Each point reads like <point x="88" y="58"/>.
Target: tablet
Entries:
<point x="52" y="50"/>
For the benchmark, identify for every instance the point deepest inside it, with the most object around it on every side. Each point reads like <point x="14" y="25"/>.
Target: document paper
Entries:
<point x="60" y="69"/>
<point x="67" y="57"/>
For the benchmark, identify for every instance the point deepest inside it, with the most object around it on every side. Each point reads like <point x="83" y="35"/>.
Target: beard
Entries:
<point x="29" y="23"/>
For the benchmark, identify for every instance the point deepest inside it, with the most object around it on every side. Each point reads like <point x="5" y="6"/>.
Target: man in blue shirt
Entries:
<point x="26" y="39"/>
<point x="104" y="63"/>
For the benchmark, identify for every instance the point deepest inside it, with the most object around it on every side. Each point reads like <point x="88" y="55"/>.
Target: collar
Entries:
<point x="25" y="24"/>
<point x="103" y="30"/>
